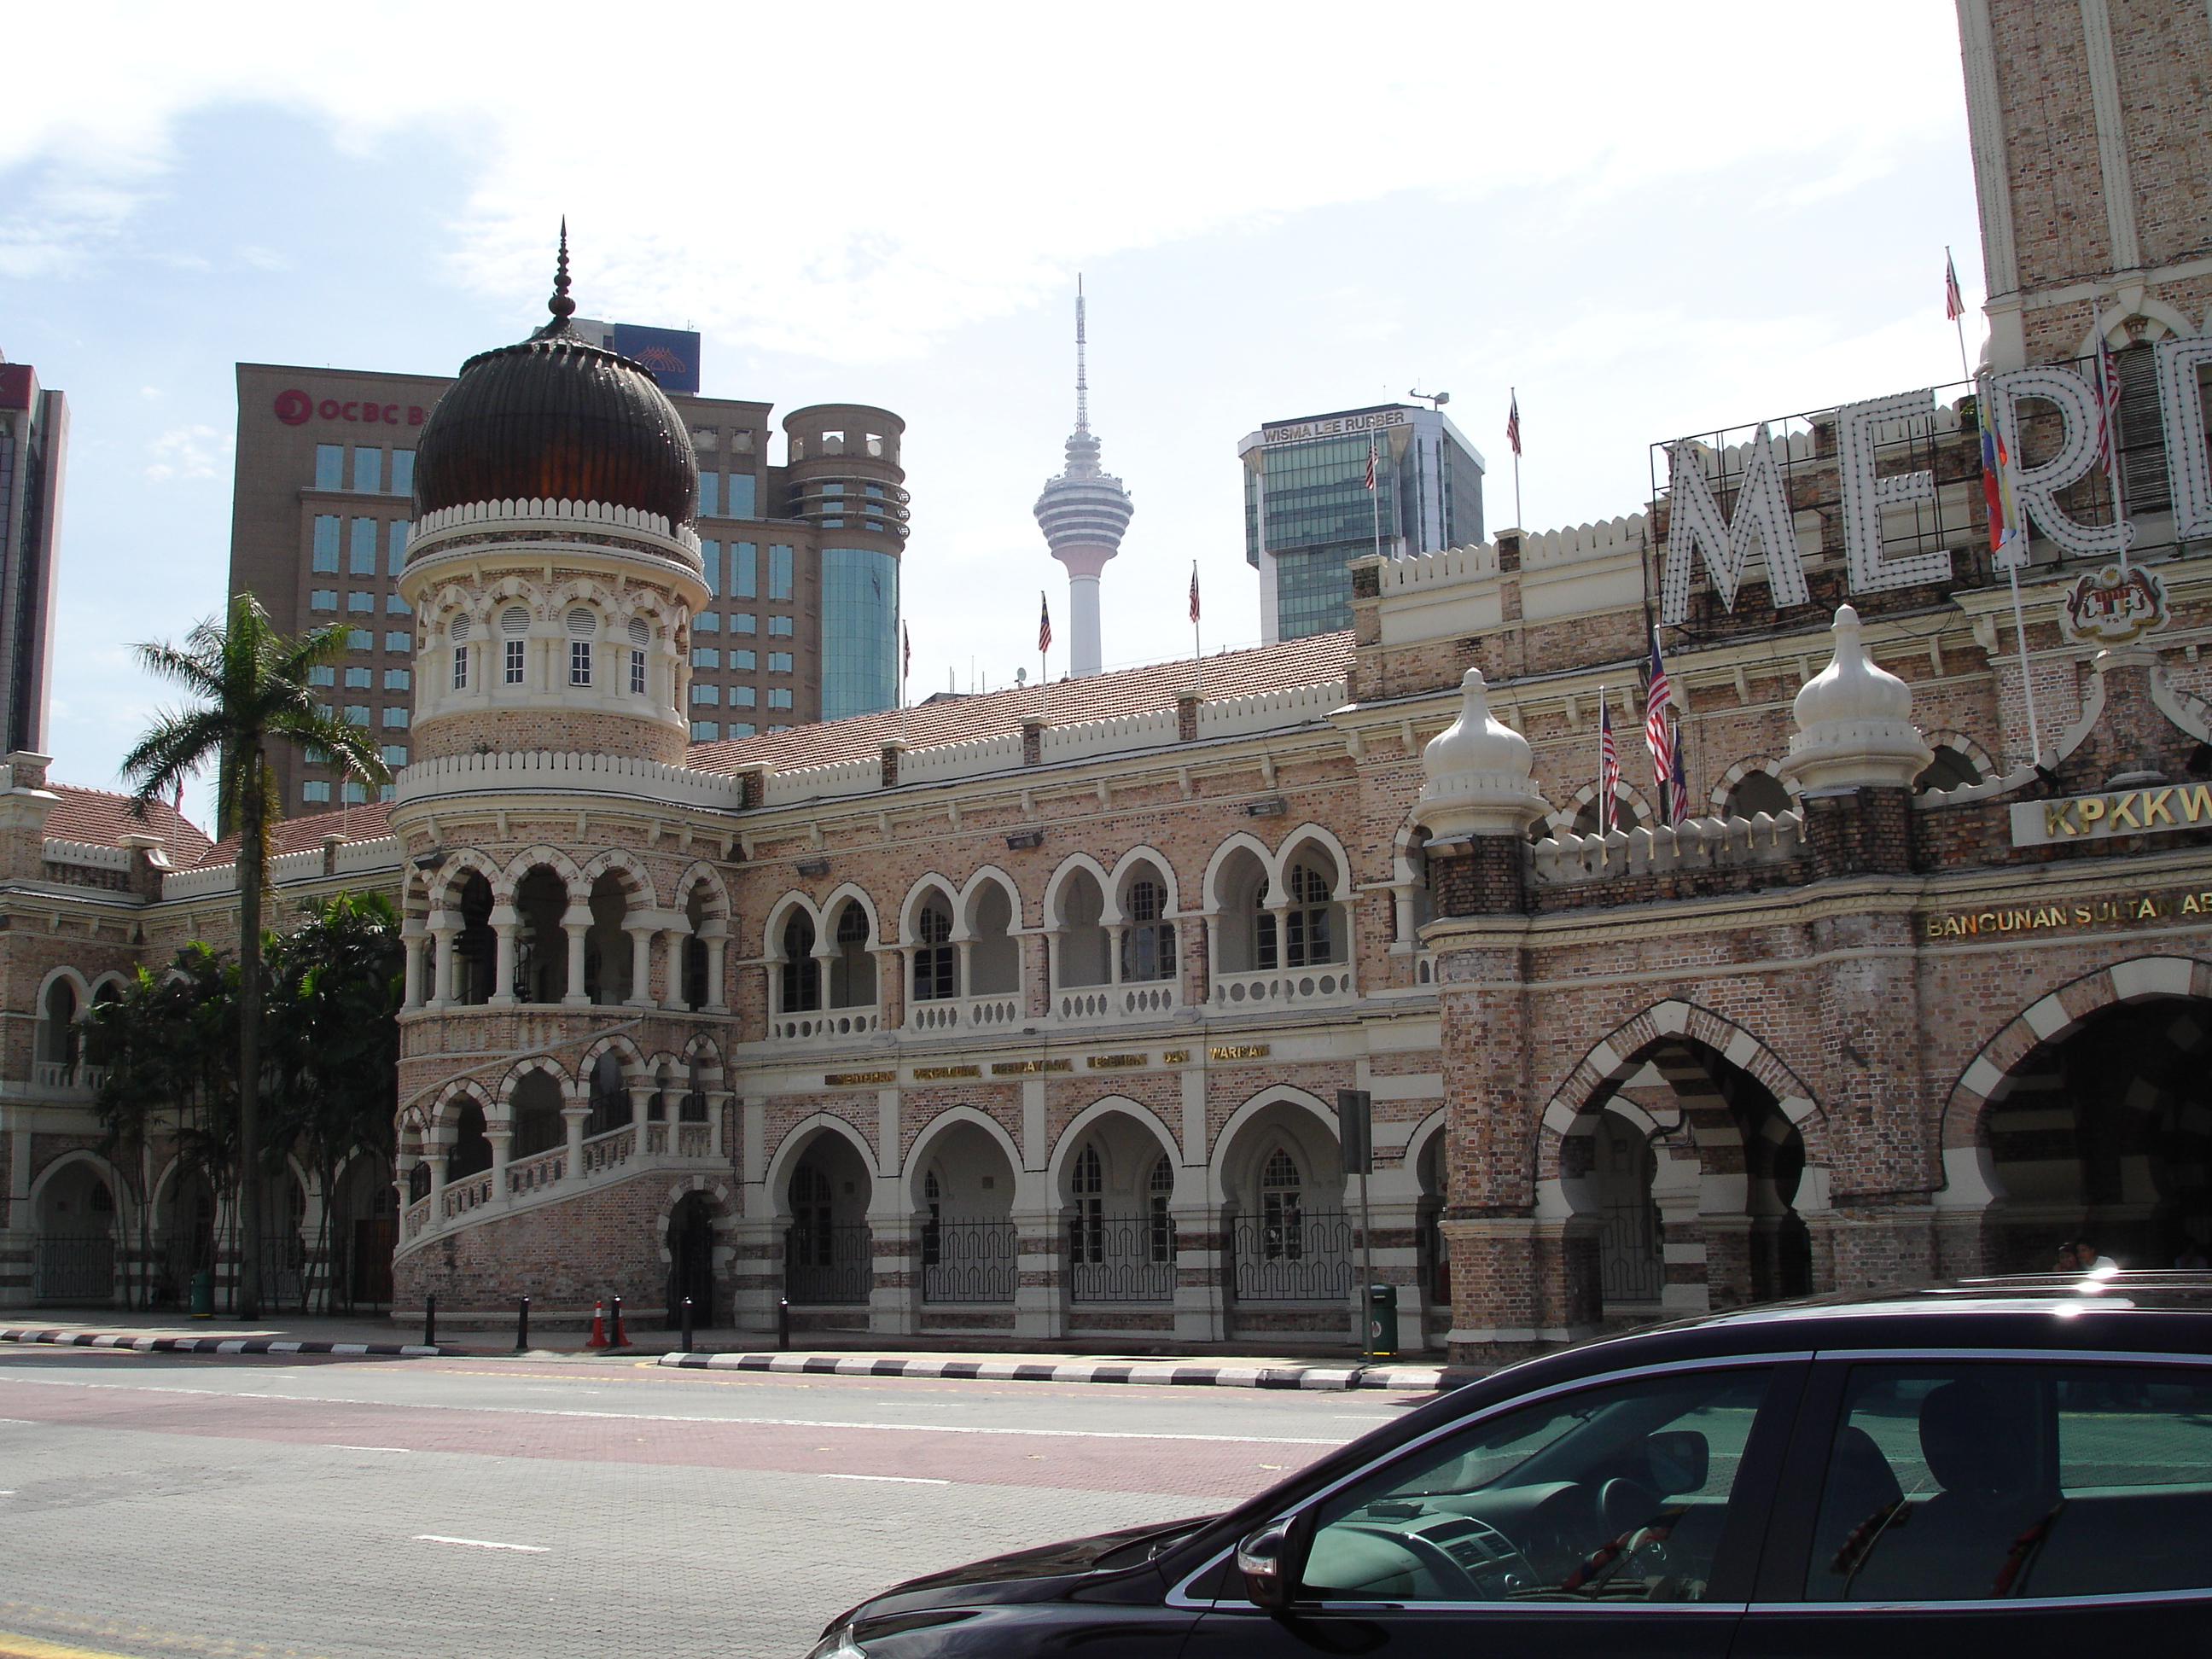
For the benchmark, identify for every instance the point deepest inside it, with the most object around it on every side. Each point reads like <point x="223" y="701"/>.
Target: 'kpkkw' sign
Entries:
<point x="1763" y="521"/>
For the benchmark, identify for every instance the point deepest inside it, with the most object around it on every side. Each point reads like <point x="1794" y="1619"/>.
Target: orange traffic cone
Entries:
<point x="619" y="1340"/>
<point x="598" y="1338"/>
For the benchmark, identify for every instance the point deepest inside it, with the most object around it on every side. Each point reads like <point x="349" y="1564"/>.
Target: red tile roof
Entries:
<point x="370" y="822"/>
<point x="1312" y="661"/>
<point x="103" y="817"/>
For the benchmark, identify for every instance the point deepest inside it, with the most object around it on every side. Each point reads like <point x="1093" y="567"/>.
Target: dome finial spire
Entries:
<point x="561" y="305"/>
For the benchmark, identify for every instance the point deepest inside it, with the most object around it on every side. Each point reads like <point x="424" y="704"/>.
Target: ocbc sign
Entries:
<point x="296" y="408"/>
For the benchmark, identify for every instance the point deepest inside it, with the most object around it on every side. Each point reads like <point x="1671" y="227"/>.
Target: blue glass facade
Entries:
<point x="860" y="631"/>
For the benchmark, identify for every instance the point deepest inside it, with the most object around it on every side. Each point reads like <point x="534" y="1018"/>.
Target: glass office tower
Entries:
<point x="1307" y="511"/>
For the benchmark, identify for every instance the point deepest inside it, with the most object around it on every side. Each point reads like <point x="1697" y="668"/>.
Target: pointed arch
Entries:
<point x="550" y="857"/>
<point x="1049" y="907"/>
<point x="462" y="862"/>
<point x="1562" y="822"/>
<point x="1310" y="834"/>
<point x="931" y="1132"/>
<point x="701" y="874"/>
<point x="918" y="894"/>
<point x="1239" y="840"/>
<point x="851" y="892"/>
<point x="990" y="875"/>
<point x="1079" y="1127"/>
<point x="777" y="917"/>
<point x="1227" y="1144"/>
<point x="618" y="1042"/>
<point x="1148" y="855"/>
<point x="777" y="1176"/>
<point x="629" y="869"/>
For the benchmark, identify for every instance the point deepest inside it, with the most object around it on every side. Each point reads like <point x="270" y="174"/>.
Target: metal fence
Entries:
<point x="1633" y="1267"/>
<point x="828" y="1264"/>
<point x="1306" y="1256"/>
<point x="1121" y="1258"/>
<point x="970" y="1261"/>
<point x="73" y="1267"/>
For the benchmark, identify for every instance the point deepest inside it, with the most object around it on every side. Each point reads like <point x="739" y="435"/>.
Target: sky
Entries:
<point x="1643" y="221"/>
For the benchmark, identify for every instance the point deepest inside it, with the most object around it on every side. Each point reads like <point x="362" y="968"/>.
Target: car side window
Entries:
<point x="1976" y="1482"/>
<point x="1615" y="1493"/>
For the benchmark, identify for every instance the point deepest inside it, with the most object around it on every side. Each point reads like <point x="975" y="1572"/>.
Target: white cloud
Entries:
<point x="189" y="452"/>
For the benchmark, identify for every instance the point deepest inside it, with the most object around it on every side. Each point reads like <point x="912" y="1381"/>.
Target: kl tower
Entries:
<point x="1083" y="513"/>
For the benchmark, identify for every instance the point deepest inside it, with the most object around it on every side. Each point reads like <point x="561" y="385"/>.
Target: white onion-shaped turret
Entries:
<point x="1855" y="725"/>
<point x="1479" y="772"/>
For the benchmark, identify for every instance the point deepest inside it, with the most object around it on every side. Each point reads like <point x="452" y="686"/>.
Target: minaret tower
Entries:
<point x="1083" y="513"/>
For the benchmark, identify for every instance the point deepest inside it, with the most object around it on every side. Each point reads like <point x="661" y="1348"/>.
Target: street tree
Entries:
<point x="250" y="686"/>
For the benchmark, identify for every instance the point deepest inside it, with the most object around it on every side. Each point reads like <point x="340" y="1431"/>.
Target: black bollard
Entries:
<point x="615" y="1337"/>
<point x="429" y="1322"/>
<point x="687" y="1324"/>
<point x="783" y="1323"/>
<point x="522" y="1324"/>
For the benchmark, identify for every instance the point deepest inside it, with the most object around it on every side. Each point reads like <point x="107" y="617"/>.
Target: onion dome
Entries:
<point x="1477" y="773"/>
<point x="1855" y="725"/>
<point x="558" y="420"/>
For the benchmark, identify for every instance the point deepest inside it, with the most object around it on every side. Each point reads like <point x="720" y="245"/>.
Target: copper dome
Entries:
<point x="555" y="418"/>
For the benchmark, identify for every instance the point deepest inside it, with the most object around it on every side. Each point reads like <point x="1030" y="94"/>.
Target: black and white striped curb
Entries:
<point x="1337" y="1378"/>
<point x="217" y="1344"/>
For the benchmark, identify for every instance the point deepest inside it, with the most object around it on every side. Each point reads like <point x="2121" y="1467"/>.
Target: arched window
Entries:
<point x="476" y="946"/>
<point x="1755" y="792"/>
<point x="1088" y="1183"/>
<point x="852" y="971"/>
<point x="1282" y="1213"/>
<point x="1159" y="1189"/>
<point x="1625" y="818"/>
<point x="1306" y="933"/>
<point x="1952" y="769"/>
<point x="801" y="975"/>
<point x="1148" y="945"/>
<point x="57" y="1039"/>
<point x="610" y="1099"/>
<point x="935" y="963"/>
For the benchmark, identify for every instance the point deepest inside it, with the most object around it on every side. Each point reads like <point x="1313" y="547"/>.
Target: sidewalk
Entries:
<point x="853" y="1354"/>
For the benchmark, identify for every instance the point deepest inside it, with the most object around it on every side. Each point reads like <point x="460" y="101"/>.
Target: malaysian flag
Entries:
<point x="906" y="652"/>
<point x="1370" y="483"/>
<point x="1954" y="303"/>
<point x="1513" y="423"/>
<point x="1658" y="734"/>
<point x="1045" y="624"/>
<point x="2008" y="542"/>
<point x="2108" y="403"/>
<point x="1193" y="590"/>
<point x="1608" y="766"/>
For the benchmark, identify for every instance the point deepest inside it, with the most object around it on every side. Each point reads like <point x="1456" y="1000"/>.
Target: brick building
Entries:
<point x="1023" y="1014"/>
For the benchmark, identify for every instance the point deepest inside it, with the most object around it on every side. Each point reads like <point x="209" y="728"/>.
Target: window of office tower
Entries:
<point x="860" y="631"/>
<point x="1319" y="514"/>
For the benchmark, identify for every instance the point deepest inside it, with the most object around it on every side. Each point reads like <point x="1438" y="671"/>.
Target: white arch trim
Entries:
<point x="777" y="1177"/>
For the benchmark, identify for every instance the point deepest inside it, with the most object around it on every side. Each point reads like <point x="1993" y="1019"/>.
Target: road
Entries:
<point x="156" y="1504"/>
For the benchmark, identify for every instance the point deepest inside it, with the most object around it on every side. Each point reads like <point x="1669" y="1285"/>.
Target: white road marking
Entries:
<point x="903" y="1480"/>
<point x="340" y="1445"/>
<point x="675" y="1417"/>
<point x="483" y="1544"/>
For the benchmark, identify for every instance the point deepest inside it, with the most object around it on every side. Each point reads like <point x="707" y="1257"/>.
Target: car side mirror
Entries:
<point x="1263" y="1562"/>
<point x="1680" y="1460"/>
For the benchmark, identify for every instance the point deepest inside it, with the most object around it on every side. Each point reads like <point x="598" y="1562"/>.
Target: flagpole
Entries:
<point x="1604" y="785"/>
<point x="2027" y="675"/>
<point x="1959" y="316"/>
<point x="1374" y="490"/>
<point x="1197" y="648"/>
<point x="1985" y="412"/>
<point x="1514" y="394"/>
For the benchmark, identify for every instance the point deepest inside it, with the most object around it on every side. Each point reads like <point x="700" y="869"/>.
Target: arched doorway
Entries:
<point x="73" y="1258"/>
<point x="829" y="1255"/>
<point x="691" y="1259"/>
<point x="1292" y="1240"/>
<point x="2106" y="1132"/>
<point x="970" y="1248"/>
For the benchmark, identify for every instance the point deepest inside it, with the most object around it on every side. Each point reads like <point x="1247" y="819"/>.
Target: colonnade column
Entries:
<point x="673" y="957"/>
<point x="641" y="963"/>
<point x="444" y="927"/>
<point x="412" y="940"/>
<point x="504" y="921"/>
<point x="579" y="934"/>
<point x="716" y="933"/>
<point x="640" y="1090"/>
<point x="573" y="1113"/>
<point x="500" y="1133"/>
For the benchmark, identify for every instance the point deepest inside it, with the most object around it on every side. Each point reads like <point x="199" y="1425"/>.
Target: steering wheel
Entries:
<point x="1624" y="1506"/>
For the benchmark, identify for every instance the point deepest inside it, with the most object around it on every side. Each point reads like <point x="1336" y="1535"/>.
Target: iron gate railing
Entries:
<point x="1633" y="1266"/>
<point x="1306" y="1256"/>
<point x="73" y="1267"/>
<point x="970" y="1261"/>
<point x="828" y="1264"/>
<point x="1121" y="1258"/>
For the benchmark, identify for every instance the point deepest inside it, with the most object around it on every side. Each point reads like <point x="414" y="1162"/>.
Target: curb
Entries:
<point x="1417" y="1377"/>
<point x="220" y="1344"/>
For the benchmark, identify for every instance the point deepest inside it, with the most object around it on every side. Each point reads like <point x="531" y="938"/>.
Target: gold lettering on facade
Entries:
<point x="1114" y="1063"/>
<point x="839" y="1079"/>
<point x="1025" y="1067"/>
<point x="1239" y="1051"/>
<point x="2035" y="918"/>
<point x="1176" y="1057"/>
<point x="930" y="1073"/>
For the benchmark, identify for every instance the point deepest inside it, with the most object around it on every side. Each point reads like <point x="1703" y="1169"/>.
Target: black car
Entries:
<point x="2019" y="1467"/>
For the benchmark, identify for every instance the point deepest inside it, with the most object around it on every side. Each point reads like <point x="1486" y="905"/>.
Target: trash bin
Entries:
<point x="204" y="1295"/>
<point x="1382" y="1319"/>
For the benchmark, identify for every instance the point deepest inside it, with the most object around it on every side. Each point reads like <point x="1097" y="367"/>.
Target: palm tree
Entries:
<point x="252" y="684"/>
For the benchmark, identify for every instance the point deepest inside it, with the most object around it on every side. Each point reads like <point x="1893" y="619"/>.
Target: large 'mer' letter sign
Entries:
<point x="1695" y="519"/>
